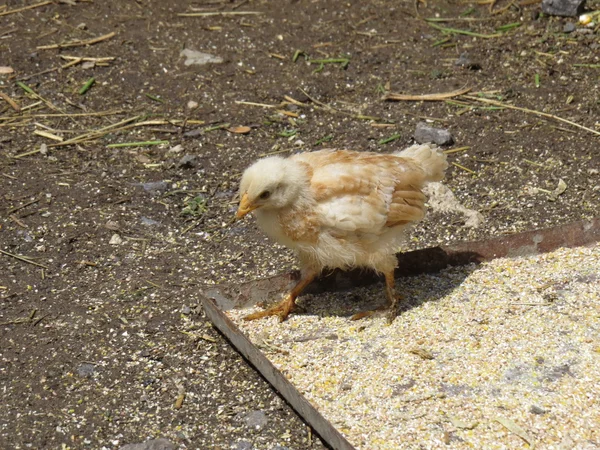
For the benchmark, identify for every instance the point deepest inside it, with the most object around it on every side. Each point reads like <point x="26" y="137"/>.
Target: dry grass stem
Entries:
<point x="78" y="43"/>
<point x="466" y="169"/>
<point x="426" y="97"/>
<point x="262" y="105"/>
<point x="81" y="58"/>
<point x="530" y="111"/>
<point x="10" y="101"/>
<point x="48" y="135"/>
<point x="220" y="13"/>
<point x="23" y="258"/>
<point x="25" y="8"/>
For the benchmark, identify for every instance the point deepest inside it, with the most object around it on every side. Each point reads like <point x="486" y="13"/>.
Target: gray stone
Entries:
<point x="188" y="162"/>
<point x="26" y="236"/>
<point x="534" y="409"/>
<point x="194" y="133"/>
<point x="569" y="27"/>
<point x="175" y="150"/>
<point x="243" y="445"/>
<point x="86" y="370"/>
<point x="186" y="310"/>
<point x="425" y="134"/>
<point x="152" y="444"/>
<point x="464" y="61"/>
<point x="155" y="187"/>
<point x="148" y="222"/>
<point x="194" y="57"/>
<point x="568" y="8"/>
<point x="256" y="420"/>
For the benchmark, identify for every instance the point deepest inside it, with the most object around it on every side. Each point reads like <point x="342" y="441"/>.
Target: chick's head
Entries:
<point x="271" y="183"/>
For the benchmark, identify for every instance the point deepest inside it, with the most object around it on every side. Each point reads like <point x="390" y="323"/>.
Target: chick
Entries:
<point x="340" y="209"/>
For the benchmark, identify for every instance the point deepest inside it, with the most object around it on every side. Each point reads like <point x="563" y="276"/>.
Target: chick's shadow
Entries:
<point x="344" y="293"/>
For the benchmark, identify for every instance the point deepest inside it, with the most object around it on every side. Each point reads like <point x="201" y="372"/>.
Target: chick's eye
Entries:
<point x="265" y="195"/>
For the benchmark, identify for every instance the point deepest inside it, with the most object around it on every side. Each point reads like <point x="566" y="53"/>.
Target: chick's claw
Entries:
<point x="282" y="310"/>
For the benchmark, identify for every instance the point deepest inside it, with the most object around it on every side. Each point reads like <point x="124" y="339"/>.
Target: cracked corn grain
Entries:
<point x="515" y="346"/>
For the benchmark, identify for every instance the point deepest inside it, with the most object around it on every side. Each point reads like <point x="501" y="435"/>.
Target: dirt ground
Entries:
<point x="104" y="248"/>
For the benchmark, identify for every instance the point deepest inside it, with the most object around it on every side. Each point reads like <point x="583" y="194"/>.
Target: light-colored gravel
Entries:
<point x="486" y="357"/>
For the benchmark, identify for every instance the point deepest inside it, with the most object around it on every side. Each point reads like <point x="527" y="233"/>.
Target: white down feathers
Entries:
<point x="359" y="203"/>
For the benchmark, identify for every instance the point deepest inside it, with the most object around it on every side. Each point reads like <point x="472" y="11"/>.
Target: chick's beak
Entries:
<point x="245" y="206"/>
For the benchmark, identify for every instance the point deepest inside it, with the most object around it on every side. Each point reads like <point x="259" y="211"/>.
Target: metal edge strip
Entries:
<point x="302" y="406"/>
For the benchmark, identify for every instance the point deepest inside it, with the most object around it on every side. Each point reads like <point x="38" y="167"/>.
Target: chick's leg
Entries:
<point x="391" y="305"/>
<point x="283" y="308"/>
<point x="393" y="297"/>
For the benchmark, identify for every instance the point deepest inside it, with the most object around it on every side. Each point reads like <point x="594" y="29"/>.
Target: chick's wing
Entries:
<point x="364" y="192"/>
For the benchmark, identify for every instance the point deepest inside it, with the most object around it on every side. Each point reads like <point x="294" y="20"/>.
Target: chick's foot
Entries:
<point x="282" y="310"/>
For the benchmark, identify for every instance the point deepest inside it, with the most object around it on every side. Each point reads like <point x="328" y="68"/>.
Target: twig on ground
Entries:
<point x="82" y="58"/>
<point x="18" y="221"/>
<point x="456" y="150"/>
<point x="24" y="205"/>
<point x="79" y="43"/>
<point x="10" y="101"/>
<point x="136" y="144"/>
<point x="97" y="114"/>
<point x="48" y="135"/>
<point x="22" y="258"/>
<point x="466" y="169"/>
<point x="25" y="8"/>
<point x="427" y="97"/>
<point x="100" y="132"/>
<point x="39" y="97"/>
<point x="530" y="111"/>
<point x="220" y="13"/>
<point x="262" y="105"/>
<point x="465" y="32"/>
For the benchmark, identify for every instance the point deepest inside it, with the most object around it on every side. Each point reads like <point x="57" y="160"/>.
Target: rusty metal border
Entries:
<point x="287" y="390"/>
<point x="216" y="299"/>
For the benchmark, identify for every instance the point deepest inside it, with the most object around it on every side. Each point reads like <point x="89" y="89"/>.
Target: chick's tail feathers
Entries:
<point x="429" y="157"/>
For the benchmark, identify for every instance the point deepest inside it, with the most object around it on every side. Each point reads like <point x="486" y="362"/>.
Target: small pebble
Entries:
<point x="86" y="370"/>
<point x="464" y="61"/>
<point x="115" y="240"/>
<point x="569" y="27"/>
<point x="537" y="410"/>
<point x="425" y="134"/>
<point x="568" y="8"/>
<point x="193" y="133"/>
<point x="256" y="420"/>
<point x="148" y="222"/>
<point x="155" y="186"/>
<point x="243" y="445"/>
<point x="188" y="162"/>
<point x="175" y="150"/>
